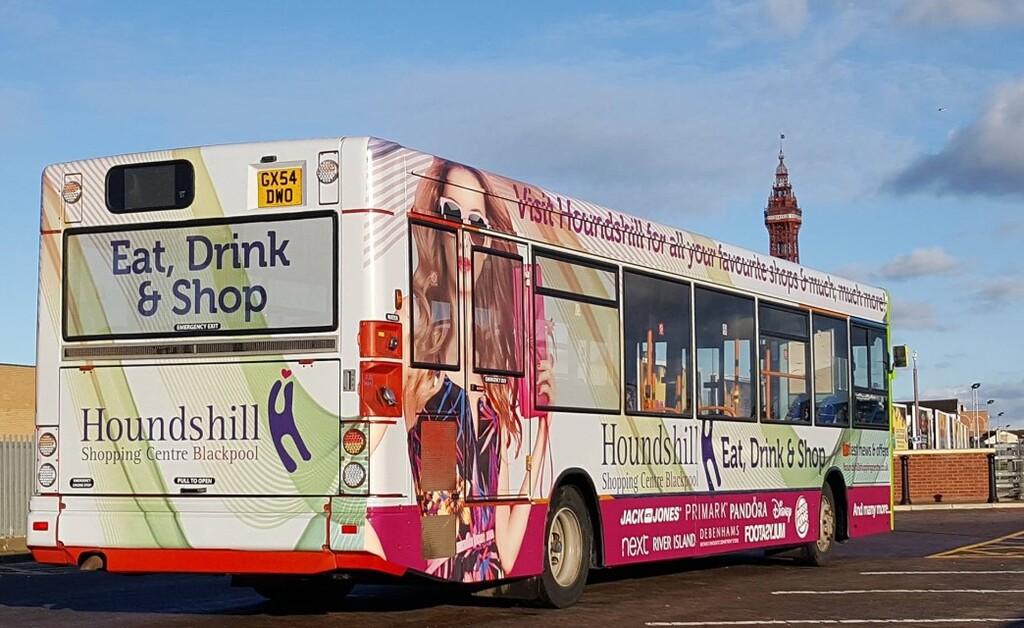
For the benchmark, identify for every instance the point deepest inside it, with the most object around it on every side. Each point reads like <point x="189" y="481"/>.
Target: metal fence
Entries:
<point x="16" y="461"/>
<point x="1010" y="471"/>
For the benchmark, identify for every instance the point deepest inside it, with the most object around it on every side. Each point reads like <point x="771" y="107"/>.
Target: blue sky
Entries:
<point x="904" y="126"/>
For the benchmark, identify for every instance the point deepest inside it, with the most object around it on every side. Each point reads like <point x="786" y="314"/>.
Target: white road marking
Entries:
<point x="877" y="591"/>
<point x="834" y="622"/>
<point x="941" y="573"/>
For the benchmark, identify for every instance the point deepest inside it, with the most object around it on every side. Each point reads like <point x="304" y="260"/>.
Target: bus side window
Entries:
<point x="497" y="328"/>
<point x="576" y="327"/>
<point x="657" y="331"/>
<point x="784" y="360"/>
<point x="870" y="382"/>
<point x="726" y="355"/>
<point x="831" y="340"/>
<point x="435" y="315"/>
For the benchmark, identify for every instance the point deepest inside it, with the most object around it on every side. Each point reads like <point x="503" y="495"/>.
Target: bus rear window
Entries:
<point x="150" y="186"/>
<point x="211" y="277"/>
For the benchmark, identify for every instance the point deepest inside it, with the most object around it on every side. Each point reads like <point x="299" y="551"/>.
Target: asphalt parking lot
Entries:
<point x="941" y="568"/>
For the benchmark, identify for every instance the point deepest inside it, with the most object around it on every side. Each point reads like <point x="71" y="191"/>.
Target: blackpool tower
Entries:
<point x="783" y="216"/>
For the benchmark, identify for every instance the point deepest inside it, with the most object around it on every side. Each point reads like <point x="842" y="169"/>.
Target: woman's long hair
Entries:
<point x="499" y="343"/>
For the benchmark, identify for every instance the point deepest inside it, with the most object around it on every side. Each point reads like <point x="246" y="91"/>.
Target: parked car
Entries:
<point x="832" y="409"/>
<point x="870" y="409"/>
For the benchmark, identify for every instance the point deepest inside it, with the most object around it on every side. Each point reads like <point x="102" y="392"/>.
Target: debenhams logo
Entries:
<point x="239" y="423"/>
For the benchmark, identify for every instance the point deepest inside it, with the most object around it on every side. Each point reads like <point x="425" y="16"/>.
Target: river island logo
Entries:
<point x="282" y="423"/>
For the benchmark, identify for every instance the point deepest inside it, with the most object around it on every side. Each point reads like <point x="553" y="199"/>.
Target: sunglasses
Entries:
<point x="448" y="208"/>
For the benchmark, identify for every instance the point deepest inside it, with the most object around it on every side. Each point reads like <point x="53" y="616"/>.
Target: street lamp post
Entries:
<point x="988" y="413"/>
<point x="1000" y="427"/>
<point x="913" y="423"/>
<point x="976" y="427"/>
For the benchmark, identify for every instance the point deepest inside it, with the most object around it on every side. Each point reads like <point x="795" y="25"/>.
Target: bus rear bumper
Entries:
<point x="42" y="520"/>
<point x="218" y="561"/>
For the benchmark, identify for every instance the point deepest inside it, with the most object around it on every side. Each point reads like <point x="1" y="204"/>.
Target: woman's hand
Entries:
<point x="544" y="384"/>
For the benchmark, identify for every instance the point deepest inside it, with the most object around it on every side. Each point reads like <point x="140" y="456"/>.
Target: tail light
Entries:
<point x="355" y="458"/>
<point x="72" y="191"/>
<point x="46" y="459"/>
<point x="47" y="444"/>
<point x="327" y="173"/>
<point x="354" y="442"/>
<point x="46" y="475"/>
<point x="71" y="194"/>
<point x="354" y="475"/>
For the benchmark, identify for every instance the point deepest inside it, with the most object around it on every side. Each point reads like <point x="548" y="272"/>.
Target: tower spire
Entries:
<point x="783" y="216"/>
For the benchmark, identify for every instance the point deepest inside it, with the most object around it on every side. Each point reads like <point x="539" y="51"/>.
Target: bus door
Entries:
<point x="495" y="354"/>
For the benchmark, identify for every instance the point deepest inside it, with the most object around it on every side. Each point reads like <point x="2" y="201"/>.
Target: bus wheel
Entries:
<point x="567" y="545"/>
<point x="818" y="553"/>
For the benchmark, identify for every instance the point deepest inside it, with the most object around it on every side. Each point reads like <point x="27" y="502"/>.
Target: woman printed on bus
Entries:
<point x="489" y="415"/>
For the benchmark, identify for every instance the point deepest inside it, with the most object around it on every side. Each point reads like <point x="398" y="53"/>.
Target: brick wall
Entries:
<point x="958" y="476"/>
<point x="17" y="400"/>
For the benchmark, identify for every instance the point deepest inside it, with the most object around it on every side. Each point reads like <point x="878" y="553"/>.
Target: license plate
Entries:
<point x="280" y="187"/>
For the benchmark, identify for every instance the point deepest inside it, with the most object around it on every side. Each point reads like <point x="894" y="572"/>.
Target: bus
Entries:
<point x="309" y="364"/>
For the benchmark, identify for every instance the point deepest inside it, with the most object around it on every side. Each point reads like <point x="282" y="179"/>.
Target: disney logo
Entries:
<point x="780" y="510"/>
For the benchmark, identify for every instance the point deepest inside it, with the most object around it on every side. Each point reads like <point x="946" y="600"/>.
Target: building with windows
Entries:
<point x="973" y="426"/>
<point x="976" y="422"/>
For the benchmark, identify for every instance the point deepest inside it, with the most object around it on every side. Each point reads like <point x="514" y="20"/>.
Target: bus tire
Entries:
<point x="568" y="541"/>
<point x="819" y="553"/>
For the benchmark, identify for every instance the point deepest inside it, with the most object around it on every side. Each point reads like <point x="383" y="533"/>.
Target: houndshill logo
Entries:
<point x="282" y="423"/>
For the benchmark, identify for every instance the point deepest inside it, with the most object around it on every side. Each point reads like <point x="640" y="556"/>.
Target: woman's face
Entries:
<point x="462" y="187"/>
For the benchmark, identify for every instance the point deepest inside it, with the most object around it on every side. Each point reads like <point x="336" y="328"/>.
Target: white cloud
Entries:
<point x="1008" y="398"/>
<point x="755" y="21"/>
<point x="1010" y="228"/>
<point x="915" y="315"/>
<point x="984" y="158"/>
<point x="998" y="293"/>
<point x="789" y="15"/>
<point x="963" y="13"/>
<point x="922" y="262"/>
<point x="857" y="272"/>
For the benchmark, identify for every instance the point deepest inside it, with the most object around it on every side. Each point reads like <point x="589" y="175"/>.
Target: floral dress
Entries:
<point x="477" y="459"/>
